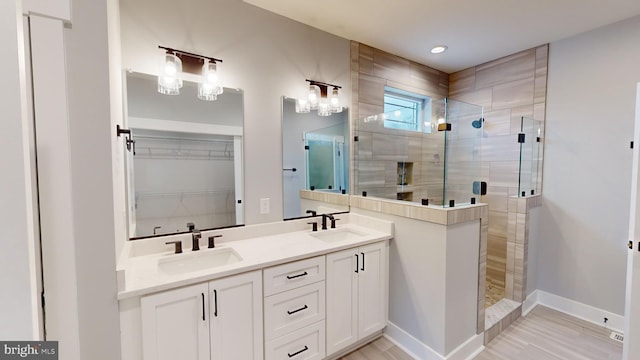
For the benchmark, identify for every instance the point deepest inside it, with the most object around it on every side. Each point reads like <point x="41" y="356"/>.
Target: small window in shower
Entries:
<point x="404" y="110"/>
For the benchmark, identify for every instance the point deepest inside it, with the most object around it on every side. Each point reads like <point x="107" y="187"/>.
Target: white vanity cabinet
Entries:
<point x="175" y="324"/>
<point x="294" y="310"/>
<point x="357" y="294"/>
<point x="235" y="309"/>
<point x="218" y="320"/>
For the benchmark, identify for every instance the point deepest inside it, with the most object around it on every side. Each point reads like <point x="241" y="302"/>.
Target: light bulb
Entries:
<point x="302" y="106"/>
<point x="314" y="96"/>
<point x="335" y="101"/>
<point x="209" y="89"/>
<point x="168" y="81"/>
<point x="324" y="109"/>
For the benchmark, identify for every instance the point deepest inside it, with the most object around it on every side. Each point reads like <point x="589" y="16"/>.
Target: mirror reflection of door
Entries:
<point x="325" y="160"/>
<point x="325" y="165"/>
<point x="187" y="167"/>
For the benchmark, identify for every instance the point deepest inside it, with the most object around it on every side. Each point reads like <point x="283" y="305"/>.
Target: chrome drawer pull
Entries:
<point x="295" y="311"/>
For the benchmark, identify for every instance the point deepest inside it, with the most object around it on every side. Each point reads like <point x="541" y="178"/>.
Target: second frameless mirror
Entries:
<point x="187" y="164"/>
<point x="315" y="154"/>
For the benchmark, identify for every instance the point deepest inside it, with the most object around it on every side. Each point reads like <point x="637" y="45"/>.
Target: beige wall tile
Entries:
<point x="370" y="90"/>
<point x="497" y="123"/>
<point x="365" y="57"/>
<point x="500" y="148"/>
<point x="481" y="97"/>
<point x="391" y="67"/>
<point x="516" y="117"/>
<point x="462" y="82"/>
<point x="540" y="89"/>
<point x="511" y="68"/>
<point x="504" y="173"/>
<point x="513" y="94"/>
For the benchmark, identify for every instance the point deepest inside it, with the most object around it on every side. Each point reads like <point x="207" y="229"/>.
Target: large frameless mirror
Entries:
<point x="185" y="168"/>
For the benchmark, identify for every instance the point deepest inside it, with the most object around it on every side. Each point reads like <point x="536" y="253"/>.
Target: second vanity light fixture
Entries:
<point x="319" y="99"/>
<point x="177" y="62"/>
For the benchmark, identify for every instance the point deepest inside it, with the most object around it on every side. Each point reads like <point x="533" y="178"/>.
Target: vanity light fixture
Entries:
<point x="175" y="63"/>
<point x="319" y="100"/>
<point x="439" y="49"/>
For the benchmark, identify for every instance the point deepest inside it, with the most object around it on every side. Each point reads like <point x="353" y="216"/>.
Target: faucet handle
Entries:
<point x="314" y="225"/>
<point x="333" y="223"/>
<point x="312" y="212"/>
<point x="212" y="241"/>
<point x="191" y="226"/>
<point x="178" y="244"/>
<point x="195" y="240"/>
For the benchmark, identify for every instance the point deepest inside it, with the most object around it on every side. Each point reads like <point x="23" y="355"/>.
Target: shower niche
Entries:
<point x="435" y="161"/>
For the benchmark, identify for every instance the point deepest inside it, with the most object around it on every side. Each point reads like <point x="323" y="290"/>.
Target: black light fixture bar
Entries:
<point x="198" y="56"/>
<point x="322" y="84"/>
<point x="324" y="87"/>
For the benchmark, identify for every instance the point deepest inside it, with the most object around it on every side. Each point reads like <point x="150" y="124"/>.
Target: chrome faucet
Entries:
<point x="324" y="221"/>
<point x="195" y="240"/>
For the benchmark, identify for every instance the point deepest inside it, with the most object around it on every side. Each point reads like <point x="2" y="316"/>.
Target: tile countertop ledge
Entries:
<point x="140" y="275"/>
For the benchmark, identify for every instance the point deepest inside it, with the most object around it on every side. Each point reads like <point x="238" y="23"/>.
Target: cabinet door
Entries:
<point x="236" y="317"/>
<point x="372" y="289"/>
<point x="342" y="300"/>
<point x="175" y="324"/>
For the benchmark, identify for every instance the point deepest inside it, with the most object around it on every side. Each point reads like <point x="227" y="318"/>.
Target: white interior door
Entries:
<point x="631" y="346"/>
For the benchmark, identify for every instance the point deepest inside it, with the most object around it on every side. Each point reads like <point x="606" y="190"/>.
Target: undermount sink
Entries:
<point x="196" y="261"/>
<point x="336" y="235"/>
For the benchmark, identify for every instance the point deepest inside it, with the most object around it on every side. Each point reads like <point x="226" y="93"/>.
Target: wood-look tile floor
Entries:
<point x="380" y="349"/>
<point x="544" y="334"/>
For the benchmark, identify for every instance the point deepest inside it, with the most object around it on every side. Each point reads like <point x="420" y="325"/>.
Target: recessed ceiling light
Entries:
<point x="438" y="49"/>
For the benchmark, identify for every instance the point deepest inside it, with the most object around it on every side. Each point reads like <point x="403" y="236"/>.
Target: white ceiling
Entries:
<point x="475" y="31"/>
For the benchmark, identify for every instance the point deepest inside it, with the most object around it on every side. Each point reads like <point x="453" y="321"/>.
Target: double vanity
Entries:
<point x="267" y="291"/>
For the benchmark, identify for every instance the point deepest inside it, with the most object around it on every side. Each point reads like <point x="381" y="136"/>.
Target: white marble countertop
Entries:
<point x="139" y="274"/>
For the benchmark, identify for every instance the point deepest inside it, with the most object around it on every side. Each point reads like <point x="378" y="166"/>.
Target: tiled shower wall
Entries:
<point x="380" y="150"/>
<point x="507" y="88"/>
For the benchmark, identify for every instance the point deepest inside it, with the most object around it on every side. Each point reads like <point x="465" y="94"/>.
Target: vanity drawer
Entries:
<point x="293" y="275"/>
<point x="293" y="309"/>
<point x="306" y="344"/>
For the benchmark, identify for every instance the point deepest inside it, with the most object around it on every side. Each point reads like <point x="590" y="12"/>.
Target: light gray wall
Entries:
<point x="87" y="57"/>
<point x="587" y="166"/>
<point x="264" y="54"/>
<point x="16" y="308"/>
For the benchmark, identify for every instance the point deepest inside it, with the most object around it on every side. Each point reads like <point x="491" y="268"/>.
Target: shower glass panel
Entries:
<point x="462" y="178"/>
<point x="530" y="174"/>
<point x="423" y="164"/>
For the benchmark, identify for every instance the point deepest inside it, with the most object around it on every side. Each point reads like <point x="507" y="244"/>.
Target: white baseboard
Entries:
<point x="409" y="344"/>
<point x="529" y="303"/>
<point x="582" y="311"/>
<point x="469" y="349"/>
<point x="418" y="350"/>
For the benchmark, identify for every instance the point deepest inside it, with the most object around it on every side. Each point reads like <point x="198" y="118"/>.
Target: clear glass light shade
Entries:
<point x="335" y="102"/>
<point x="209" y="88"/>
<point x="169" y="82"/>
<point x="303" y="106"/>
<point x="324" y="109"/>
<point x="314" y="96"/>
